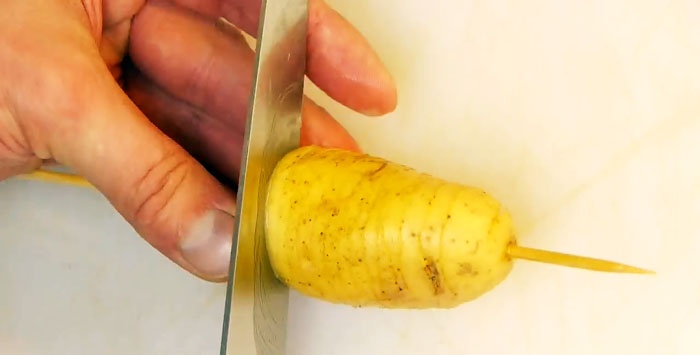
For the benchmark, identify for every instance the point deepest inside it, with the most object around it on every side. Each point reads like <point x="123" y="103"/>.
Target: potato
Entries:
<point x="358" y="230"/>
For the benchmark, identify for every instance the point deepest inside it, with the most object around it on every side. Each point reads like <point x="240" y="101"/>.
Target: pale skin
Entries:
<point x="160" y="134"/>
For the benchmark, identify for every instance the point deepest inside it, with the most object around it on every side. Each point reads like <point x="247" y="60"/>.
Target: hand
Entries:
<point x="147" y="100"/>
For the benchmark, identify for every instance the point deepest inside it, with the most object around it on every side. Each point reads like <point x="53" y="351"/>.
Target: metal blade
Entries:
<point x="255" y="317"/>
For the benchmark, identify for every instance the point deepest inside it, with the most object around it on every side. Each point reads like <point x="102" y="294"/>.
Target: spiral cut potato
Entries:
<point x="358" y="230"/>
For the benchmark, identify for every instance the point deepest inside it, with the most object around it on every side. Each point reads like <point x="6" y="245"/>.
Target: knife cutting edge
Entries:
<point x="255" y="317"/>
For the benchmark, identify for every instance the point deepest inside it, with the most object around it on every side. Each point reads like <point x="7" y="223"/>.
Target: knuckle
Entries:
<point x="155" y="190"/>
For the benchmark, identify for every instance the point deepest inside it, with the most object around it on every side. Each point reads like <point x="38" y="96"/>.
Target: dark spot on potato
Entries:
<point x="449" y="216"/>
<point x="433" y="274"/>
<point x="414" y="235"/>
<point x="295" y="202"/>
<point x="321" y="233"/>
<point x="359" y="260"/>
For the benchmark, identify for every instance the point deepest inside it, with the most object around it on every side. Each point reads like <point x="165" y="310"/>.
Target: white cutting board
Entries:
<point x="580" y="116"/>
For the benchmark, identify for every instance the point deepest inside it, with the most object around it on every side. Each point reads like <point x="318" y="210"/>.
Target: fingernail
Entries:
<point x="207" y="245"/>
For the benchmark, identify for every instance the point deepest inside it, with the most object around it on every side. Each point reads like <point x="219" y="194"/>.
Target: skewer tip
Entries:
<point x="575" y="261"/>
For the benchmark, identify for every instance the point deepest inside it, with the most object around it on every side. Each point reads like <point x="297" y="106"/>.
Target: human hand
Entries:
<point x="140" y="108"/>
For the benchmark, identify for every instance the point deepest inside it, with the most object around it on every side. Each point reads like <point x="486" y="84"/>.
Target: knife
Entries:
<point x="255" y="316"/>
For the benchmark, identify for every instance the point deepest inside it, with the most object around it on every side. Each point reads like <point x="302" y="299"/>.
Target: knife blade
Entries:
<point x="255" y="316"/>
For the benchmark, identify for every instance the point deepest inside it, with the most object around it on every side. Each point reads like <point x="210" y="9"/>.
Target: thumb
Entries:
<point x="164" y="193"/>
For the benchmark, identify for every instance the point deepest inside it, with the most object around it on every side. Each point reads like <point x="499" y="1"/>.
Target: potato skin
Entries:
<point x="359" y="230"/>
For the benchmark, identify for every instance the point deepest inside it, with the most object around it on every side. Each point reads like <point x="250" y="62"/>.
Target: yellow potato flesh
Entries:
<point x="359" y="230"/>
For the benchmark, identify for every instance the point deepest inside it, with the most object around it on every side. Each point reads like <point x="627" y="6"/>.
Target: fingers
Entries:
<point x="210" y="140"/>
<point x="194" y="61"/>
<point x="215" y="144"/>
<point x="86" y="122"/>
<point x="198" y="85"/>
<point x="343" y="64"/>
<point x="341" y="61"/>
